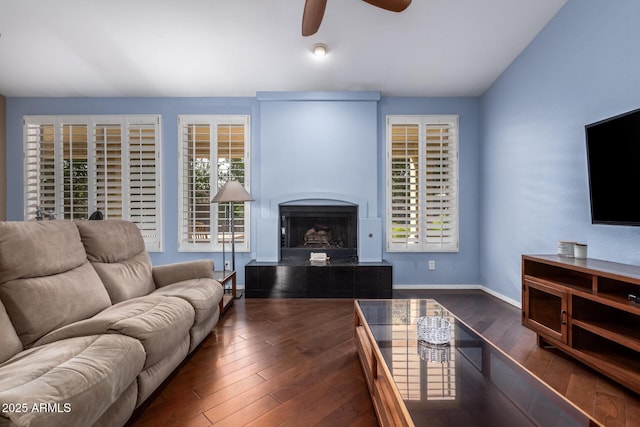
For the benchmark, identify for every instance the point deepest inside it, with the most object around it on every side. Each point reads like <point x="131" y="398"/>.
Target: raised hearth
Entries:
<point x="301" y="279"/>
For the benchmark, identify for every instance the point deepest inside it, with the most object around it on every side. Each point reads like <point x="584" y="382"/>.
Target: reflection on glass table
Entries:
<point x="466" y="382"/>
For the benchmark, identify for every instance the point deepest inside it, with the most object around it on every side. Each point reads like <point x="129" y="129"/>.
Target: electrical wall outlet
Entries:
<point x="227" y="265"/>
<point x="432" y="264"/>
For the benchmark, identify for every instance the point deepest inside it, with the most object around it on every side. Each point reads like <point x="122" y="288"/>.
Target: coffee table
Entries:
<point x="468" y="382"/>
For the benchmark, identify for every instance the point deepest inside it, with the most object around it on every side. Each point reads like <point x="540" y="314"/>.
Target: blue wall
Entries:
<point x="583" y="67"/>
<point x="315" y="147"/>
<point x="523" y="176"/>
<point x="361" y="118"/>
<point x="451" y="268"/>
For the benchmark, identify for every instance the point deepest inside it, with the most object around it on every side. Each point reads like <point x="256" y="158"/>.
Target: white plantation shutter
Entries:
<point x="213" y="150"/>
<point x="143" y="142"/>
<point x="74" y="162"/>
<point x="404" y="170"/>
<point x="422" y="183"/>
<point x="75" y="165"/>
<point x="39" y="167"/>
<point x="109" y="168"/>
<point x="232" y="150"/>
<point x="195" y="214"/>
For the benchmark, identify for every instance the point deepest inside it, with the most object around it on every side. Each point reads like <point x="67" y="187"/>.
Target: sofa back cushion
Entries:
<point x="38" y="248"/>
<point x="46" y="281"/>
<point x="11" y="344"/>
<point x="116" y="250"/>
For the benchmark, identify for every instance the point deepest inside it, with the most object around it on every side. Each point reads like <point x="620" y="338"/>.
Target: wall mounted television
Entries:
<point x="613" y="161"/>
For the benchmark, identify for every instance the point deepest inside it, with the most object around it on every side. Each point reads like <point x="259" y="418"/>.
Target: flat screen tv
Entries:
<point x="613" y="160"/>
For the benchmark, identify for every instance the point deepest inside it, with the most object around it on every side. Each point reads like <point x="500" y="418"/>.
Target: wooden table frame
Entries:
<point x="387" y="402"/>
<point x="227" y="279"/>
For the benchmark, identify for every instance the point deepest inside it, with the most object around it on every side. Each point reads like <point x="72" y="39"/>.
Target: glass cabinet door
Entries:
<point x="545" y="310"/>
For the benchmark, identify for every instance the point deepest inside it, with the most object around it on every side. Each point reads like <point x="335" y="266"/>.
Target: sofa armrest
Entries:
<point x="164" y="275"/>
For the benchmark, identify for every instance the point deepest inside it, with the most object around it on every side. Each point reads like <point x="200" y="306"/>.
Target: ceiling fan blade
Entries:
<point x="312" y="16"/>
<point x="392" y="5"/>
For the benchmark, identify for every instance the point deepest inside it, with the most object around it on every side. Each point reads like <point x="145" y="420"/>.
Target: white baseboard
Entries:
<point x="483" y="288"/>
<point x="518" y="304"/>
<point x="513" y="302"/>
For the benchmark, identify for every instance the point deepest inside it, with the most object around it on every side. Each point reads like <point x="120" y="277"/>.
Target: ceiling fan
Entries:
<point x="314" y="11"/>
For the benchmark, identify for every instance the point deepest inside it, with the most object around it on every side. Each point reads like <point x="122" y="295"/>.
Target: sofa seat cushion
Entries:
<point x="159" y="322"/>
<point x="70" y="382"/>
<point x="204" y="295"/>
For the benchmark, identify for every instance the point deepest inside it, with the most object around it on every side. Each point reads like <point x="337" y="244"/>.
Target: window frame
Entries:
<point x="215" y="244"/>
<point x="425" y="205"/>
<point x="33" y="154"/>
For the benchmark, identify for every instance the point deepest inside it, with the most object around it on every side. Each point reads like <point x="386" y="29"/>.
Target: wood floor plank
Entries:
<point x="206" y="374"/>
<point x="365" y="420"/>
<point x="611" y="408"/>
<point x="246" y="415"/>
<point x="190" y="405"/>
<point x="555" y="374"/>
<point x="299" y="409"/>
<point x="292" y="362"/>
<point x="248" y="366"/>
<point x="321" y="408"/>
<point x="350" y="413"/>
<point x="632" y="408"/>
<point x="523" y="347"/>
<point x="582" y="379"/>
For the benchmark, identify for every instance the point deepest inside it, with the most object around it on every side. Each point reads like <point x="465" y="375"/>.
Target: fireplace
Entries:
<point x="320" y="227"/>
<point x="331" y="229"/>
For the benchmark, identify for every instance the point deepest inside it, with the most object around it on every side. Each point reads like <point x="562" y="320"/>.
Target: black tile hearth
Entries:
<point x="301" y="279"/>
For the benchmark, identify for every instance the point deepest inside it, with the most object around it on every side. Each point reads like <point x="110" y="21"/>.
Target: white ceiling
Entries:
<point x="238" y="47"/>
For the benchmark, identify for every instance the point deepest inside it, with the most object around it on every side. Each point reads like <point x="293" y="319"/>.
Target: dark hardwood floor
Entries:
<point x="292" y="362"/>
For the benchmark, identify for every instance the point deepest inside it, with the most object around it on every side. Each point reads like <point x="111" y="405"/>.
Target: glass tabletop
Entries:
<point x="467" y="382"/>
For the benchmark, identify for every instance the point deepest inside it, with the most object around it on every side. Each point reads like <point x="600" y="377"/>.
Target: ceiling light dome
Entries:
<point x="319" y="49"/>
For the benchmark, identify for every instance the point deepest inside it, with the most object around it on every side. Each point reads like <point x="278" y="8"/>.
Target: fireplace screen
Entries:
<point x="330" y="229"/>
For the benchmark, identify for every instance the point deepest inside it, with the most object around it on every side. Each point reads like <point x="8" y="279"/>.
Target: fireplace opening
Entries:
<point x="310" y="228"/>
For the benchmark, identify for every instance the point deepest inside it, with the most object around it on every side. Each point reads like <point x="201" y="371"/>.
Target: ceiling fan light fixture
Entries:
<point x="319" y="49"/>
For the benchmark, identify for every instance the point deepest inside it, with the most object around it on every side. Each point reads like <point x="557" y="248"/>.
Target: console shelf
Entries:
<point x="616" y="333"/>
<point x="582" y="308"/>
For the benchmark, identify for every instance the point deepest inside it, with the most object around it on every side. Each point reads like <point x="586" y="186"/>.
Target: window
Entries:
<point x="75" y="165"/>
<point x="422" y="183"/>
<point x="213" y="150"/>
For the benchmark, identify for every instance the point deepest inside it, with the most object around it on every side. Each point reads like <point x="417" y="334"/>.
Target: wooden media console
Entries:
<point x="589" y="309"/>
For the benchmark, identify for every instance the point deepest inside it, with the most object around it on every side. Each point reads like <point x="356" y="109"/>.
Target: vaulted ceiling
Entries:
<point x="191" y="48"/>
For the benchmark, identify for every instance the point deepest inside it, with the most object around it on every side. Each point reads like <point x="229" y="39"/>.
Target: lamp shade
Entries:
<point x="232" y="191"/>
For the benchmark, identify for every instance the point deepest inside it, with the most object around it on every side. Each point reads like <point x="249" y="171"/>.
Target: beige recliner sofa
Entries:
<point x="88" y="328"/>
